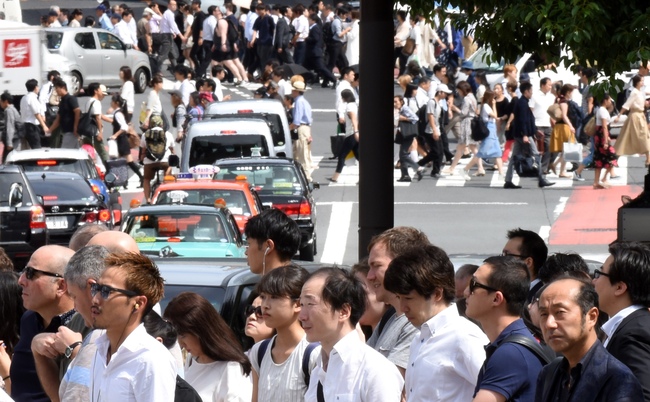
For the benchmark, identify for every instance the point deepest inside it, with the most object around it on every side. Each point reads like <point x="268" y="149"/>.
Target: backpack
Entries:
<point x="156" y="143"/>
<point x="305" y="357"/>
<point x="423" y="119"/>
<point x="87" y="126"/>
<point x="479" y="130"/>
<point x="328" y="34"/>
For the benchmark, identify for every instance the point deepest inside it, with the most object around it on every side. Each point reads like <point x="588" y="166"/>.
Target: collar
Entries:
<point x="585" y="361"/>
<point x="612" y="324"/>
<point x="57" y="321"/>
<point x="534" y="283"/>
<point x="346" y="346"/>
<point x="129" y="342"/>
<point x="515" y="326"/>
<point x="439" y="321"/>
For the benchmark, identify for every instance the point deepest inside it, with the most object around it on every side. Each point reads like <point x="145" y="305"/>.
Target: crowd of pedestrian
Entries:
<point x="84" y="323"/>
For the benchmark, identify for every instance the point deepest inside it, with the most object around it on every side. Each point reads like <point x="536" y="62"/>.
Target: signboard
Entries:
<point x="17" y="53"/>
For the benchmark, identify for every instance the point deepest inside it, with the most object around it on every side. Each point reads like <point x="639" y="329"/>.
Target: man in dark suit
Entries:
<point x="283" y="35"/>
<point x="525" y="137"/>
<point x="622" y="285"/>
<point x="314" y="56"/>
<point x="568" y="309"/>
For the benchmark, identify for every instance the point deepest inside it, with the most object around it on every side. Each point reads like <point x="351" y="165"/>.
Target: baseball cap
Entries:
<point x="175" y="92"/>
<point x="443" y="88"/>
<point x="102" y="88"/>
<point x="101" y="7"/>
<point x="148" y="10"/>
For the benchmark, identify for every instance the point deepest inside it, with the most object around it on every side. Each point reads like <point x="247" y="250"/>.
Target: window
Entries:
<point x="109" y="41"/>
<point x="54" y="40"/>
<point x="85" y="40"/>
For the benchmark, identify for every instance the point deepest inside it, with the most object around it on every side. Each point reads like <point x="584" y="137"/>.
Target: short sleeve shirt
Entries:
<point x="434" y="109"/>
<point x="66" y="112"/>
<point x="395" y="339"/>
<point x="602" y="114"/>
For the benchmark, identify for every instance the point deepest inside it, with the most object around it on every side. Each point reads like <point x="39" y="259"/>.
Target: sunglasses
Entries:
<point x="598" y="273"/>
<point x="30" y="273"/>
<point x="252" y="309"/>
<point x="473" y="285"/>
<point x="105" y="291"/>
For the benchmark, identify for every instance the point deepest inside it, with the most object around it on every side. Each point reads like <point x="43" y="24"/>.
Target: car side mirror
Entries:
<point x="101" y="197"/>
<point x="173" y="161"/>
<point x="15" y="195"/>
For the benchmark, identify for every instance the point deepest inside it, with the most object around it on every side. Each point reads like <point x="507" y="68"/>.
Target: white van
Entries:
<point x="270" y="110"/>
<point x="209" y="140"/>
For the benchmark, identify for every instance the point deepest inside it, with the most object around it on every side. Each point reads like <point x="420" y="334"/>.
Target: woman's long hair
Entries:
<point x="11" y="309"/>
<point x="193" y="314"/>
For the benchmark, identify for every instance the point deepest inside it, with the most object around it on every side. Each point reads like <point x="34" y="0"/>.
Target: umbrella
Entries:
<point x="296" y="69"/>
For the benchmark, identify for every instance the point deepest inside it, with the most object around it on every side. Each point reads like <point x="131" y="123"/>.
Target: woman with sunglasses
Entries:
<point x="218" y="369"/>
<point x="256" y="328"/>
<point x="278" y="363"/>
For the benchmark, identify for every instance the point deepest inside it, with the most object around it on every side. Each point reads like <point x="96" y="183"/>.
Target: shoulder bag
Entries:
<point x="409" y="47"/>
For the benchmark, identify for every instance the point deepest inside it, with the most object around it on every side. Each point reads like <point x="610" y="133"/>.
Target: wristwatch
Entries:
<point x="70" y="349"/>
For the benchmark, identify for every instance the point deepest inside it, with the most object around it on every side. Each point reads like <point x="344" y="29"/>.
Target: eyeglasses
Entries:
<point x="473" y="285"/>
<point x="31" y="272"/>
<point x="598" y="273"/>
<point x="505" y="253"/>
<point x="252" y="309"/>
<point x="105" y="291"/>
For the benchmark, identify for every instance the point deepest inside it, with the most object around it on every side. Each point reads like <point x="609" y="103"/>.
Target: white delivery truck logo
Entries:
<point x="17" y="53"/>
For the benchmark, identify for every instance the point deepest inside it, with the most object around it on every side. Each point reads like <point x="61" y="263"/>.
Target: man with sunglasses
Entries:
<point x="495" y="298"/>
<point x="129" y="364"/>
<point x="48" y="306"/>
<point x="622" y="285"/>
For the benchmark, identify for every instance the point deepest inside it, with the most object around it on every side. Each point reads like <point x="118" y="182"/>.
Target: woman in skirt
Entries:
<point x="604" y="153"/>
<point x="563" y="130"/>
<point x="121" y="133"/>
<point x="634" y="137"/>
<point x="489" y="147"/>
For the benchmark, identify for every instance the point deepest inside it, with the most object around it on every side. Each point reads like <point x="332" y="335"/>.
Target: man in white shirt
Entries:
<point x="301" y="24"/>
<point x="129" y="365"/>
<point x="539" y="104"/>
<point x="332" y="301"/>
<point x="207" y="35"/>
<point x="449" y="347"/>
<point x="32" y="113"/>
<point x="168" y="31"/>
<point x="121" y="29"/>
<point x="186" y="88"/>
<point x="622" y="285"/>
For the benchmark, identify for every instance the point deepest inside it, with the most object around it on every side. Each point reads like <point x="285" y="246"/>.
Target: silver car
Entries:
<point x="96" y="55"/>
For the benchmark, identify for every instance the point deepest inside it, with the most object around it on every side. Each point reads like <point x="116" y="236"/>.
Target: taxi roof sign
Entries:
<point x="204" y="171"/>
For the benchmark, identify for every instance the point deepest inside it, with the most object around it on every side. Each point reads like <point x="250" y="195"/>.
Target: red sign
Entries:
<point x="17" y="53"/>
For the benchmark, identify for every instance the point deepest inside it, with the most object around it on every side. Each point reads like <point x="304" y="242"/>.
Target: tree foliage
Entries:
<point x="609" y="35"/>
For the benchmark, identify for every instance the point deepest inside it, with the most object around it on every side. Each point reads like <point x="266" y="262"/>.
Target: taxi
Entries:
<point x="184" y="231"/>
<point x="238" y="196"/>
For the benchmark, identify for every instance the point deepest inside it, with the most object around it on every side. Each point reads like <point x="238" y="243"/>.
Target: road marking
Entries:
<point x="337" y="233"/>
<point x="429" y="203"/>
<point x="324" y="110"/>
<point x="560" y="207"/>
<point x="544" y="233"/>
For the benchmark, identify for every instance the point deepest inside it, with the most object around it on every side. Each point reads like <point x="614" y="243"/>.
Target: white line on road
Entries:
<point x="430" y="203"/>
<point x="324" y="110"/>
<point x="337" y="233"/>
<point x="544" y="233"/>
<point x="560" y="207"/>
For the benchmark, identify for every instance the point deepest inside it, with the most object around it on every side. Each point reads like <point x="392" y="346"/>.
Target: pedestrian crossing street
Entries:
<point x="350" y="177"/>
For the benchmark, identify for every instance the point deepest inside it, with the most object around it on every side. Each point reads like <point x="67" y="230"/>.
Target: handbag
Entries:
<point x="590" y="127"/>
<point x="554" y="111"/>
<point x="87" y="126"/>
<point x="407" y="128"/>
<point x="409" y="47"/>
<point x="112" y="149"/>
<point x="572" y="151"/>
<point x="134" y="138"/>
<point x="479" y="130"/>
<point x="399" y="137"/>
<point x="525" y="164"/>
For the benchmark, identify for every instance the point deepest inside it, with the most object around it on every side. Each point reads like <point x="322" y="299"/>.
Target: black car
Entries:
<point x="281" y="183"/>
<point x="22" y="218"/>
<point x="69" y="203"/>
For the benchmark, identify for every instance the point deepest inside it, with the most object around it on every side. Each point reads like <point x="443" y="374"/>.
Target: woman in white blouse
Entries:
<point x="127" y="92"/>
<point x="217" y="368"/>
<point x="352" y="50"/>
<point x="634" y="137"/>
<point x="154" y="106"/>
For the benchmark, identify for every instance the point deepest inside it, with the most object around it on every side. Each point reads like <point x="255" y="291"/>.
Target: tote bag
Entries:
<point x="572" y="151"/>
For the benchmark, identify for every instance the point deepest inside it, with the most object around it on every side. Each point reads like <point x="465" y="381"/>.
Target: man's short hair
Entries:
<point x="422" y="270"/>
<point x="532" y="245"/>
<point x="283" y="281"/>
<point x="52" y="74"/>
<point x="279" y="71"/>
<point x="217" y="69"/>
<point x="342" y="288"/>
<point x="543" y="81"/>
<point x="210" y="83"/>
<point x="92" y="88"/>
<point x="275" y="225"/>
<point x="211" y="10"/>
<point x="142" y="275"/>
<point x="438" y="67"/>
<point x="510" y="276"/>
<point x="399" y="240"/>
<point x="87" y="263"/>
<point x="560" y="263"/>
<point x="466" y="271"/>
<point x="587" y="297"/>
<point x="31" y="84"/>
<point x="525" y="86"/>
<point x="59" y="83"/>
<point x="424" y="80"/>
<point x="631" y="266"/>
<point x="82" y="236"/>
<point x="231" y="7"/>
<point x="7" y="97"/>
<point x="260" y="6"/>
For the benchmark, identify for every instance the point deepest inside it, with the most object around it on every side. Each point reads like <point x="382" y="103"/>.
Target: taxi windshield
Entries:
<point x="148" y="228"/>
<point x="266" y="179"/>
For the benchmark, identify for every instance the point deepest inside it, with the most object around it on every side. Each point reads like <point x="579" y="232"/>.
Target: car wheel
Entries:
<point x="141" y="80"/>
<point x="77" y="82"/>
<point x="307" y="252"/>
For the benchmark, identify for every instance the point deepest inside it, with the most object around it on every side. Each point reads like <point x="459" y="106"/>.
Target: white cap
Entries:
<point x="443" y="88"/>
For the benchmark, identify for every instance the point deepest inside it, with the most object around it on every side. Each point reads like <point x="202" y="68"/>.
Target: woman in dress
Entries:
<point x="351" y="142"/>
<point x="563" y="130"/>
<point x="503" y="110"/>
<point x="604" y="153"/>
<point x="489" y="147"/>
<point x="352" y="50"/>
<point x="121" y="134"/>
<point x="467" y="111"/>
<point x="127" y="92"/>
<point x="634" y="137"/>
<point x="217" y="368"/>
<point x="407" y="117"/>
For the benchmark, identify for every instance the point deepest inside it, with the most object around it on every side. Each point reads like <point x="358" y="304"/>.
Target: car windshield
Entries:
<point x="62" y="190"/>
<point x="54" y="40"/>
<point x="235" y="200"/>
<point x="213" y="294"/>
<point x="54" y="165"/>
<point x="177" y="227"/>
<point x="273" y="120"/>
<point x="267" y="179"/>
<point x="206" y="150"/>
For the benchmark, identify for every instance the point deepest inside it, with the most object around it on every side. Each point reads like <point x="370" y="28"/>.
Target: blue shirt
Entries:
<point x="301" y="111"/>
<point x="510" y="369"/>
<point x="105" y="22"/>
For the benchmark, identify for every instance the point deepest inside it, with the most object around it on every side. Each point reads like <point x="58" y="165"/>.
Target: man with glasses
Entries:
<point x="495" y="298"/>
<point x="622" y="285"/>
<point x="45" y="297"/>
<point x="129" y="363"/>
<point x="530" y="248"/>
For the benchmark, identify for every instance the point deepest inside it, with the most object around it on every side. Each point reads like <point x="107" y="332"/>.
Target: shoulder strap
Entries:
<point x="261" y="351"/>
<point x="90" y="105"/>
<point x="544" y="354"/>
<point x="305" y="361"/>
<point x="387" y="315"/>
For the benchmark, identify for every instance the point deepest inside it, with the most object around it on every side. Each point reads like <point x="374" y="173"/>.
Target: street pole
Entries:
<point x="376" y="149"/>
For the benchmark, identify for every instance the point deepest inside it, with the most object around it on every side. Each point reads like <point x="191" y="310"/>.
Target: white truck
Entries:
<point x="25" y="56"/>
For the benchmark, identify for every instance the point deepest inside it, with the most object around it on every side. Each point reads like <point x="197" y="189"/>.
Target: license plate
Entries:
<point x="56" y="222"/>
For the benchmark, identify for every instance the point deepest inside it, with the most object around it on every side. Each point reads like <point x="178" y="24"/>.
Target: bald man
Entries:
<point x="115" y="242"/>
<point x="45" y="297"/>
